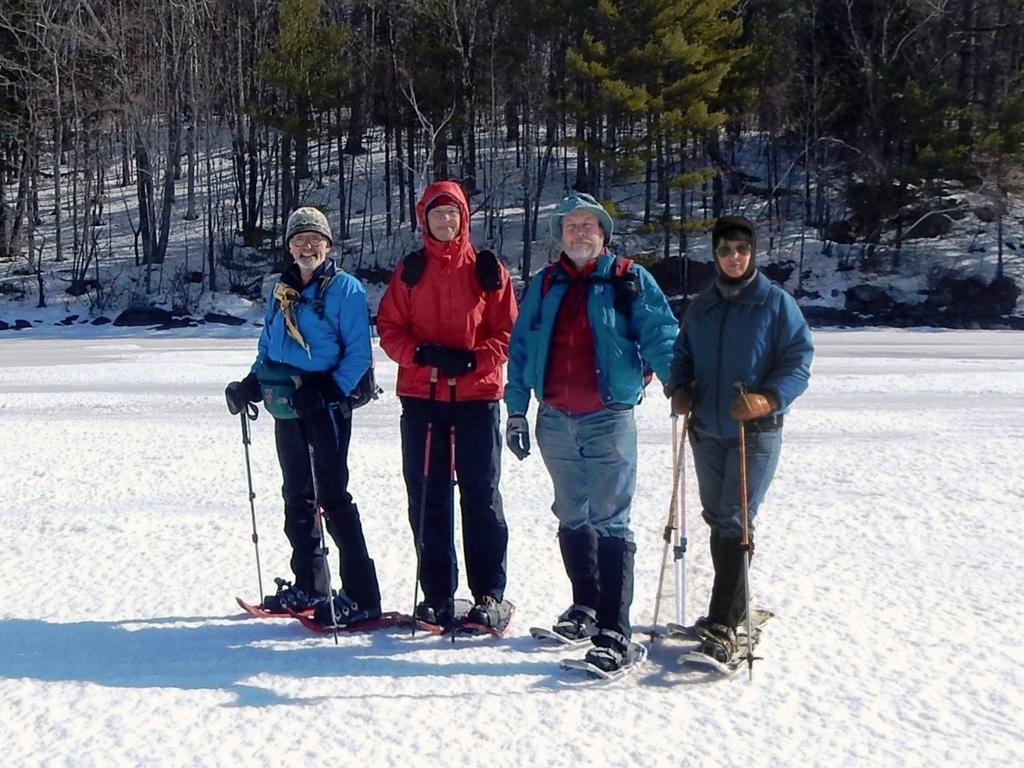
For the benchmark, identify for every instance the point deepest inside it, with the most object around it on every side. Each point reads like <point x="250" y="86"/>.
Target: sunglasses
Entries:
<point x="725" y="251"/>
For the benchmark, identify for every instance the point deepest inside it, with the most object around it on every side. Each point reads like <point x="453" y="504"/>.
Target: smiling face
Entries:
<point x="444" y="222"/>
<point x="308" y="250"/>
<point x="733" y="257"/>
<point x="582" y="237"/>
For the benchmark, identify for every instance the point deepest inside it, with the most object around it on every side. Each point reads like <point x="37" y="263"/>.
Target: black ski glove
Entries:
<point x="517" y="435"/>
<point x="315" y="396"/>
<point x="240" y="393"/>
<point x="451" y="362"/>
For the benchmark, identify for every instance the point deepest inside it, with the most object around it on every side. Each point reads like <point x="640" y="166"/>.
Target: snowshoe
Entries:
<point x="346" y="612"/>
<point x="440" y="618"/>
<point x="611" y="662"/>
<point x="488" y="615"/>
<point x="573" y="629"/>
<point x="439" y="615"/>
<point x="289" y="599"/>
<point x="718" y="642"/>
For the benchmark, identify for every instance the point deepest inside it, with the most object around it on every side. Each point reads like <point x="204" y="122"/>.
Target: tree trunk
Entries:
<point x="167" y="198"/>
<point x="144" y="189"/>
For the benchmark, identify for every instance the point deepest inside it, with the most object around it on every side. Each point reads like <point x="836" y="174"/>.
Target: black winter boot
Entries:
<point x="579" y="554"/>
<point x="358" y="573"/>
<point x="578" y="622"/>
<point x="728" y="598"/>
<point x="615" y="566"/>
<point x="489" y="611"/>
<point x="346" y="612"/>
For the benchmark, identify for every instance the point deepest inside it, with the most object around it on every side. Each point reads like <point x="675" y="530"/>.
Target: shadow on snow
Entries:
<point x="221" y="653"/>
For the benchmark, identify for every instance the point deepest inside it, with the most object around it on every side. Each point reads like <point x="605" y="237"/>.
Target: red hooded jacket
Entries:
<point x="448" y="306"/>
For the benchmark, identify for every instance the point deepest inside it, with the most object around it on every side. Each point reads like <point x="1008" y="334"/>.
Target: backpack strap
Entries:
<point x="488" y="270"/>
<point x="626" y="285"/>
<point x="321" y="291"/>
<point x="412" y="267"/>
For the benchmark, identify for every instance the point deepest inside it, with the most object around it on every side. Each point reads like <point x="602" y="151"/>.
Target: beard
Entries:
<point x="580" y="253"/>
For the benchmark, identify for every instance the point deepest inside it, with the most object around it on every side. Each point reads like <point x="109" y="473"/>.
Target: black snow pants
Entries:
<point x="320" y="445"/>
<point x="474" y="427"/>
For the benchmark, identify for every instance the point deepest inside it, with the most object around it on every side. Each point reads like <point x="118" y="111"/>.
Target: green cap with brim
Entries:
<point x="581" y="201"/>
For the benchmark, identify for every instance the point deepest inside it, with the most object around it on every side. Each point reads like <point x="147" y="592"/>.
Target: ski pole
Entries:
<point x="681" y="540"/>
<point x="451" y="468"/>
<point x="745" y="541"/>
<point x="324" y="551"/>
<point x="247" y="414"/>
<point x="418" y="538"/>
<point x="670" y="527"/>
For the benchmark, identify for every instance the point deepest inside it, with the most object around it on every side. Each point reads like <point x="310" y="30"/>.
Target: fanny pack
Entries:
<point x="278" y="383"/>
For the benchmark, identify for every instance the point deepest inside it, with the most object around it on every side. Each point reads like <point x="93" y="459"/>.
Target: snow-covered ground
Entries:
<point x="887" y="547"/>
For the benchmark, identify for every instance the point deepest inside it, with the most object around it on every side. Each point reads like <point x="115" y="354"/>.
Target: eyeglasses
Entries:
<point x="724" y="251"/>
<point x="305" y="242"/>
<point x="444" y="212"/>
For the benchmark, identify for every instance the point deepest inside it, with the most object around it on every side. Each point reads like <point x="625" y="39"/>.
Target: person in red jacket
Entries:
<point x="446" y="318"/>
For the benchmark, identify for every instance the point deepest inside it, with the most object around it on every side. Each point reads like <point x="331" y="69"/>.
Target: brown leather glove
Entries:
<point x="681" y="402"/>
<point x="752" y="405"/>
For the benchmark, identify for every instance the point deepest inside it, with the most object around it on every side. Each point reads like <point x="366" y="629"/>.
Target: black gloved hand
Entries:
<point x="240" y="393"/>
<point x="428" y="354"/>
<point x="451" y="362"/>
<point x="517" y="435"/>
<point x="315" y="396"/>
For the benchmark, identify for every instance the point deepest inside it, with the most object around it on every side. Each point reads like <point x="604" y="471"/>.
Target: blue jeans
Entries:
<point x="591" y="458"/>
<point x="717" y="463"/>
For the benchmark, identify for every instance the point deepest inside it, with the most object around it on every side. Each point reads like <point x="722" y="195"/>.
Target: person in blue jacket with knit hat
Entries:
<point x="586" y="326"/>
<point x="313" y="351"/>
<point x="743" y="354"/>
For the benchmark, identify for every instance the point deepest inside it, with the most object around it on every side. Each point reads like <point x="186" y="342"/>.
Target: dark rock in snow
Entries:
<point x="101" y="320"/>
<point x="134" y="316"/>
<point x="217" y="317"/>
<point x="840" y="232"/>
<point x="176" y="322"/>
<point x="867" y="299"/>
<point x="778" y="271"/>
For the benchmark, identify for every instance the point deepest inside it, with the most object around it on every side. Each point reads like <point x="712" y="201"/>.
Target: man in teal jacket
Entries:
<point x="743" y="354"/>
<point x="586" y="327"/>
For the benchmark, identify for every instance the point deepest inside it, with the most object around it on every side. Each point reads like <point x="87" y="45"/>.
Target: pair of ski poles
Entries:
<point x="425" y="478"/>
<point x="675" y="534"/>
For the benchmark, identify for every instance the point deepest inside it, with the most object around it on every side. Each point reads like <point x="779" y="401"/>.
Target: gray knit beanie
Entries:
<point x="307" y="220"/>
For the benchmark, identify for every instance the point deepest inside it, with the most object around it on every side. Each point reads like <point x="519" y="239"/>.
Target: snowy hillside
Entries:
<point x="886" y="549"/>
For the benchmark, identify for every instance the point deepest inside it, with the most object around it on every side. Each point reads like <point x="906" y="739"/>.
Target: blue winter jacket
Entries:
<point x="339" y="341"/>
<point x="760" y="339"/>
<point x="620" y="342"/>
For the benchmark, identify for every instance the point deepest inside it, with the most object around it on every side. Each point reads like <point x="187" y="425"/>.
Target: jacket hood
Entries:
<point x="453" y="190"/>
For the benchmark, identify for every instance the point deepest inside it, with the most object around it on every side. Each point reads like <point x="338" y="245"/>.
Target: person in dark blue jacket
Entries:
<point x="586" y="325"/>
<point x="313" y="351"/>
<point x="743" y="354"/>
